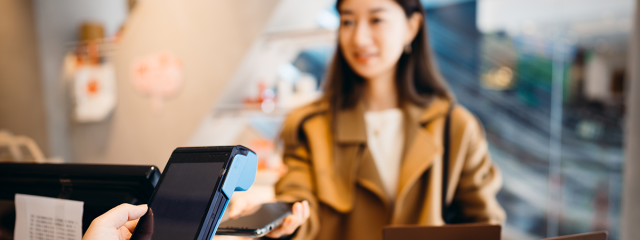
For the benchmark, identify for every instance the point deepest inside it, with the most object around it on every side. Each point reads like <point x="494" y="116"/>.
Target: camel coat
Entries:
<point x="330" y="166"/>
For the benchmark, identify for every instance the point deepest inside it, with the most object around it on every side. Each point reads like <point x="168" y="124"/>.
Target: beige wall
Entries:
<point x="211" y="38"/>
<point x="21" y="101"/>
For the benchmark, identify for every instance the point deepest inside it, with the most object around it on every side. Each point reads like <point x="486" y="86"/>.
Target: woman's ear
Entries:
<point x="414" y="24"/>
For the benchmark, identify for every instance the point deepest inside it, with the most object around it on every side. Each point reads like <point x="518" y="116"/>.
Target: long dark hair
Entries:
<point x="417" y="78"/>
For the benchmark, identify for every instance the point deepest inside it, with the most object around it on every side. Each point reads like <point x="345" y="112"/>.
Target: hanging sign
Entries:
<point x="95" y="92"/>
<point x="157" y="76"/>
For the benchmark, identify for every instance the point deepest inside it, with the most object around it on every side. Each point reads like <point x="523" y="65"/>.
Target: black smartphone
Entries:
<point x="268" y="217"/>
<point x="193" y="191"/>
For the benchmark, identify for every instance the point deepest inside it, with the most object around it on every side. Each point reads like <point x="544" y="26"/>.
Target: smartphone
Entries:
<point x="268" y="217"/>
<point x="194" y="190"/>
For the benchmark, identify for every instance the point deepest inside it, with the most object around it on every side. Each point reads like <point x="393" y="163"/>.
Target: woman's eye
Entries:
<point x="376" y="20"/>
<point x="347" y="23"/>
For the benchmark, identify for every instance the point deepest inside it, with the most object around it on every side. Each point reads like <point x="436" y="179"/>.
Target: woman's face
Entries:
<point x="373" y="35"/>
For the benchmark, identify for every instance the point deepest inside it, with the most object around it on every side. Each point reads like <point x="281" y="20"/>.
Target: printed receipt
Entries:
<point x="44" y="218"/>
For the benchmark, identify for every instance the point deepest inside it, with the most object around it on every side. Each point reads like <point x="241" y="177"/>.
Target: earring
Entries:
<point x="407" y="48"/>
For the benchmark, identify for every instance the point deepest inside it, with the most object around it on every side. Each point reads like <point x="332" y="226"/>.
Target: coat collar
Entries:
<point x="421" y="146"/>
<point x="351" y="128"/>
<point x="437" y="107"/>
<point x="350" y="125"/>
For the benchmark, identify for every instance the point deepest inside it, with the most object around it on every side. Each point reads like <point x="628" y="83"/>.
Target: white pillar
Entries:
<point x="630" y="219"/>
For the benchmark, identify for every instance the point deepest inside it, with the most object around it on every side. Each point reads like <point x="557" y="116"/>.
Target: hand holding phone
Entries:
<point x="246" y="204"/>
<point x="273" y="219"/>
<point x="300" y="214"/>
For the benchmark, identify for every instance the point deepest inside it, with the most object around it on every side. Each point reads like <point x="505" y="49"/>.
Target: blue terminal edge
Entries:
<point x="240" y="177"/>
<point x="241" y="174"/>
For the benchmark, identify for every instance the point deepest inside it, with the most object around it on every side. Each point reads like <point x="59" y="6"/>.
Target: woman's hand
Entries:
<point x="116" y="224"/>
<point x="300" y="214"/>
<point x="244" y="206"/>
<point x="220" y="237"/>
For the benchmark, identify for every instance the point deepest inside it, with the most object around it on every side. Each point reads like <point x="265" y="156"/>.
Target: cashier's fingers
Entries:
<point x="117" y="223"/>
<point x="131" y="225"/>
<point x="118" y="216"/>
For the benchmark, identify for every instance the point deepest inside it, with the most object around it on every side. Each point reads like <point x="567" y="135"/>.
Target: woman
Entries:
<point x="370" y="152"/>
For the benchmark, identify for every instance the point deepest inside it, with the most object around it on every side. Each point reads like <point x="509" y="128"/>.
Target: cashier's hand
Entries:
<point x="300" y="214"/>
<point x="116" y="224"/>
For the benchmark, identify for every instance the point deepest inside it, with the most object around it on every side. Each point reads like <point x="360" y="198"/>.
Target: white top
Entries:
<point x="385" y="138"/>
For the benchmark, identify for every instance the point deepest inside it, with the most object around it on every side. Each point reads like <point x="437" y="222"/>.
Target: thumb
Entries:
<point x="237" y="207"/>
<point x="118" y="216"/>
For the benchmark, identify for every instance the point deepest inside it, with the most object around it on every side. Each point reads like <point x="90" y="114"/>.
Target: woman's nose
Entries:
<point x="362" y="36"/>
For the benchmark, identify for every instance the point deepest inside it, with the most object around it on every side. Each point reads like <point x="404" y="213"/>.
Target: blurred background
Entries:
<point x="554" y="82"/>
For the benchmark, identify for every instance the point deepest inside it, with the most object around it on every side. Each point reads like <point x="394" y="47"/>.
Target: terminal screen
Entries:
<point x="180" y="202"/>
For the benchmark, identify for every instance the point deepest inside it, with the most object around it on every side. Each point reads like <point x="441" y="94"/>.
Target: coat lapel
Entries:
<point x="423" y="144"/>
<point x="369" y="178"/>
<point x="351" y="133"/>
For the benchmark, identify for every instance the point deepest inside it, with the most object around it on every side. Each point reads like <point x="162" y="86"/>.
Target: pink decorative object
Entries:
<point x="158" y="76"/>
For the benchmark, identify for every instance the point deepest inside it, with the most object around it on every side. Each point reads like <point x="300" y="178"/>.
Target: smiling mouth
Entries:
<point x="364" y="57"/>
